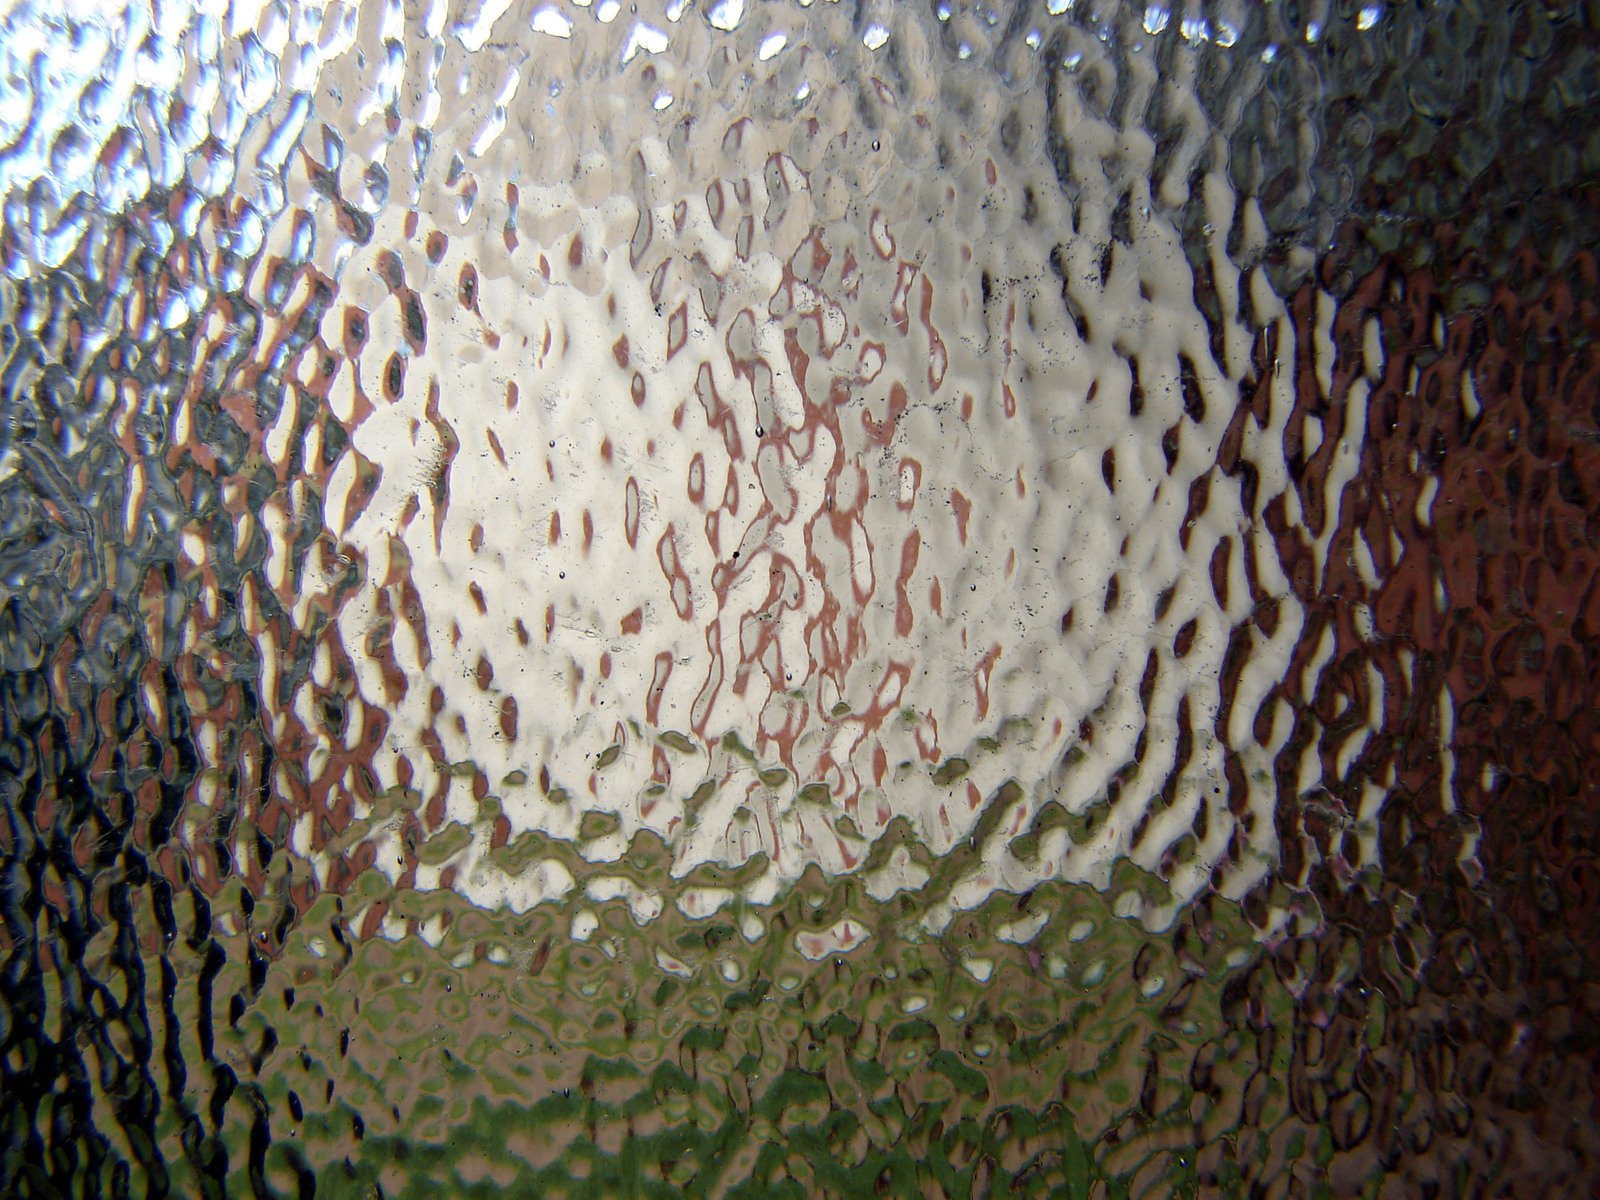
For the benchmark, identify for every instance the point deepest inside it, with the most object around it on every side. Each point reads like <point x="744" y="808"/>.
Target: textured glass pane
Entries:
<point x="797" y="599"/>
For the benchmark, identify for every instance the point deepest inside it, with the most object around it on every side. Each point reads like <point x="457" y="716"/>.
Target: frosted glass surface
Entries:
<point x="798" y="599"/>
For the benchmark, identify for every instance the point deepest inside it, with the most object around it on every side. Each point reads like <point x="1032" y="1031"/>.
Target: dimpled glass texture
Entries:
<point x="818" y="598"/>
